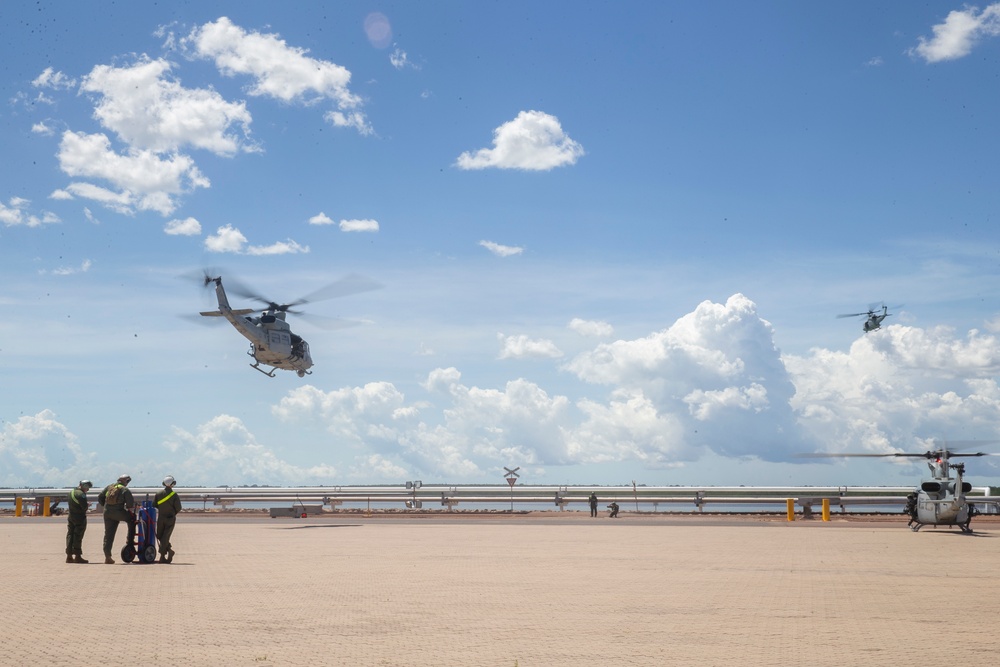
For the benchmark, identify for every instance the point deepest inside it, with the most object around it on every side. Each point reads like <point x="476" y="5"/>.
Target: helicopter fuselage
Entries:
<point x="272" y="342"/>
<point x="941" y="501"/>
<point x="874" y="321"/>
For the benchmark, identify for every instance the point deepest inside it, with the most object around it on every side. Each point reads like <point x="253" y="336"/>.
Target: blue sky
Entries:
<point x="612" y="238"/>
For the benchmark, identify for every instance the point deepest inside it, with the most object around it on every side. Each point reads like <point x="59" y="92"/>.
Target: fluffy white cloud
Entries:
<point x="501" y="250"/>
<point x="280" y="71"/>
<point x="345" y="225"/>
<point x="359" y="225"/>
<point x="321" y="219"/>
<point x="226" y="239"/>
<point x="961" y="30"/>
<point x="899" y="385"/>
<point x="522" y="347"/>
<point x="376" y="466"/>
<point x="716" y="370"/>
<point x="591" y="327"/>
<point x="288" y="247"/>
<point x="185" y="227"/>
<point x="16" y="213"/>
<point x="223" y="452"/>
<point x="230" y="239"/>
<point x="711" y="386"/>
<point x="149" y="110"/>
<point x="50" y="78"/>
<point x="534" y="141"/>
<point x="145" y="181"/>
<point x="40" y="450"/>
<point x="629" y="426"/>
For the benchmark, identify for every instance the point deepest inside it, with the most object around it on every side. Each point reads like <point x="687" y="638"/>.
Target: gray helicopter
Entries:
<point x="873" y="321"/>
<point x="940" y="500"/>
<point x="272" y="341"/>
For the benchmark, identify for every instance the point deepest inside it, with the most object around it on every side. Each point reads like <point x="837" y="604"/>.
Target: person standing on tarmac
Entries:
<point x="77" y="522"/>
<point x="168" y="504"/>
<point x="593" y="504"/>
<point x="119" y="505"/>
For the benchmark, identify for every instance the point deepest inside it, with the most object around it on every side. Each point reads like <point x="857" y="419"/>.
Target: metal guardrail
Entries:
<point x="415" y="495"/>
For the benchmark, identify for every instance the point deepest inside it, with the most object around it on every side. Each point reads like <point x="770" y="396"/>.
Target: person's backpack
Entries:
<point x="114" y="495"/>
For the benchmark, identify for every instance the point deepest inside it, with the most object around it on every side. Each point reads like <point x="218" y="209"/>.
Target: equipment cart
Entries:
<point x="145" y="533"/>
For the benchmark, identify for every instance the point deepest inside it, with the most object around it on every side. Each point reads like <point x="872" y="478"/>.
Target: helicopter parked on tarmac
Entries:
<point x="272" y="342"/>
<point x="874" y="318"/>
<point x="940" y="500"/>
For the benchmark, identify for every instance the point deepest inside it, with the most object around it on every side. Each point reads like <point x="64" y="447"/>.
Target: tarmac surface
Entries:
<point x="540" y="589"/>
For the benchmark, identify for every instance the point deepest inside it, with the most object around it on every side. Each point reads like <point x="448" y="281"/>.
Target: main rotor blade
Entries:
<point x="329" y="323"/>
<point x="825" y="455"/>
<point x="850" y="315"/>
<point x="346" y="286"/>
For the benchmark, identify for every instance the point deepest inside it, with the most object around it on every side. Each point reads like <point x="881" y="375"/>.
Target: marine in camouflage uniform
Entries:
<point x="77" y="522"/>
<point x="119" y="505"/>
<point x="168" y="504"/>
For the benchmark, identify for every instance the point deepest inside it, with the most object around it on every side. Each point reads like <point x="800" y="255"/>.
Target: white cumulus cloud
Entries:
<point x="359" y="225"/>
<point x="278" y="69"/>
<point x="594" y="328"/>
<point x="959" y="33"/>
<point x="16" y="213"/>
<point x="50" y="78"/>
<point x="40" y="450"/>
<point x="321" y="219"/>
<point x="230" y="239"/>
<point x="185" y="227"/>
<point x="148" y="109"/>
<point x="222" y="451"/>
<point x="534" y="141"/>
<point x="522" y="347"/>
<point x="144" y="180"/>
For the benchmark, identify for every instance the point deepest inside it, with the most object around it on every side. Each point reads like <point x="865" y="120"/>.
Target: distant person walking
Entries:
<point x="119" y="505"/>
<point x="168" y="504"/>
<point x="77" y="522"/>
<point x="593" y="504"/>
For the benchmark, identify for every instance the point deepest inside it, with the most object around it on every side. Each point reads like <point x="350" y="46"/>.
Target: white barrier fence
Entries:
<point x="417" y="496"/>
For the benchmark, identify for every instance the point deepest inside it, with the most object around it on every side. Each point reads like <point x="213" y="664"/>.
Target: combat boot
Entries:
<point x="80" y="559"/>
<point x="108" y="560"/>
<point x="163" y="558"/>
<point x="69" y="558"/>
<point x="170" y="555"/>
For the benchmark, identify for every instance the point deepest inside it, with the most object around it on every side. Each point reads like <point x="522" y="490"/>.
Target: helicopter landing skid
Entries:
<point x="257" y="367"/>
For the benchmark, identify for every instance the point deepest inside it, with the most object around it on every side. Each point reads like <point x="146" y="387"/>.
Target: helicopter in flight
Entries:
<point x="272" y="341"/>
<point x="873" y="321"/>
<point x="940" y="500"/>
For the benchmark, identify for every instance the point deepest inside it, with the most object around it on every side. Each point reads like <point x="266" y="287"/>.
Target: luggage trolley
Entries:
<point x="145" y="533"/>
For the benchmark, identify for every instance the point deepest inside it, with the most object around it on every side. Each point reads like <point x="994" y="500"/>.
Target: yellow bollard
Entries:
<point x="45" y="507"/>
<point x="826" y="509"/>
<point x="790" y="502"/>
<point x="18" y="503"/>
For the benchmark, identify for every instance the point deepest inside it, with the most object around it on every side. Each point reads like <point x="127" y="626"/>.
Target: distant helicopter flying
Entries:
<point x="940" y="500"/>
<point x="272" y="342"/>
<point x="874" y="319"/>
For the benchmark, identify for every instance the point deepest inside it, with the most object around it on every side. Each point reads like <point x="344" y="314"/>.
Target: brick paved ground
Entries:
<point x="528" y="591"/>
